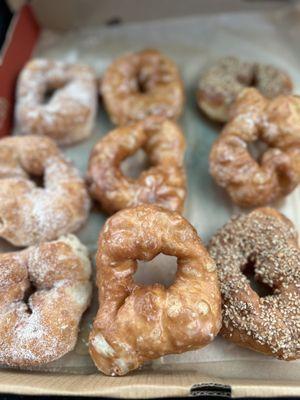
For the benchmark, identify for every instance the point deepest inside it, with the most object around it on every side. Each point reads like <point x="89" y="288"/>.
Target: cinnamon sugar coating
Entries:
<point x="137" y="323"/>
<point x="269" y="241"/>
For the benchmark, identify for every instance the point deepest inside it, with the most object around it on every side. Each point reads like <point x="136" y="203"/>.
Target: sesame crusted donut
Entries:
<point x="223" y="81"/>
<point x="141" y="84"/>
<point x="275" y="124"/>
<point x="30" y="214"/>
<point x="163" y="183"/>
<point x="136" y="323"/>
<point x="44" y="290"/>
<point x="268" y="242"/>
<point x="68" y="116"/>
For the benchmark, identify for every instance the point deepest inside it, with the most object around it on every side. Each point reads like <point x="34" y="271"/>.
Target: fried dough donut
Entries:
<point x="163" y="183"/>
<point x="69" y="115"/>
<point x="44" y="327"/>
<point x="141" y="84"/>
<point x="30" y="214"/>
<point x="222" y="82"/>
<point x="136" y="323"/>
<point x="269" y="242"/>
<point x="276" y="123"/>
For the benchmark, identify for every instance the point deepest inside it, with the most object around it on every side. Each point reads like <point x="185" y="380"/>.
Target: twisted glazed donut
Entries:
<point x="163" y="183"/>
<point x="267" y="240"/>
<point x="141" y="84"/>
<point x="222" y="82"/>
<point x="137" y="323"/>
<point x="273" y="122"/>
<point x="44" y="327"/>
<point x="69" y="115"/>
<point x="30" y="214"/>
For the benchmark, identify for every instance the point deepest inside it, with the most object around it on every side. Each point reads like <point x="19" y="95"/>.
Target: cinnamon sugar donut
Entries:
<point x="141" y="84"/>
<point x="30" y="214"/>
<point x="163" y="183"/>
<point x="223" y="81"/>
<point x="43" y="327"/>
<point x="269" y="242"/>
<point x="274" y="123"/>
<point x="69" y="115"/>
<point x="137" y="323"/>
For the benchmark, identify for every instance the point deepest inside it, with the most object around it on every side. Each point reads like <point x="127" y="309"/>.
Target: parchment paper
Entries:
<point x="192" y="42"/>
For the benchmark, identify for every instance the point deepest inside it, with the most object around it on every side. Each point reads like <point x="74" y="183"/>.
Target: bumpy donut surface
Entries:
<point x="31" y="214"/>
<point x="69" y="115"/>
<point x="163" y="183"/>
<point x="141" y="84"/>
<point x="221" y="83"/>
<point x="43" y="327"/>
<point x="267" y="240"/>
<point x="136" y="323"/>
<point x="255" y="119"/>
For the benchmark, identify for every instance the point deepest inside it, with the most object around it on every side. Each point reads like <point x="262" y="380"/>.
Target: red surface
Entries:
<point x="19" y="44"/>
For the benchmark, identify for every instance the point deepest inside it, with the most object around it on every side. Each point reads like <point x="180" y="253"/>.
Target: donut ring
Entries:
<point x="141" y="84"/>
<point x="69" y="115"/>
<point x="45" y="327"/>
<point x="30" y="214"/>
<point x="163" y="183"/>
<point x="222" y="82"/>
<point x="277" y="172"/>
<point x="136" y="323"/>
<point x="269" y="241"/>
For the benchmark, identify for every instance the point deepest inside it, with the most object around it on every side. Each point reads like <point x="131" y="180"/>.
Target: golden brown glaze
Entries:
<point x="31" y="214"/>
<point x="163" y="183"/>
<point x="269" y="242"/>
<point x="141" y="84"/>
<point x="43" y="327"/>
<point x="276" y="123"/>
<point x="137" y="323"/>
<point x="69" y="115"/>
<point x="223" y="81"/>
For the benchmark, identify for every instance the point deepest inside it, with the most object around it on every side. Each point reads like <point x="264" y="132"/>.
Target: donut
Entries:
<point x="221" y="83"/>
<point x="30" y="213"/>
<point x="137" y="323"/>
<point x="44" y="290"/>
<point x="163" y="183"/>
<point x="56" y="99"/>
<point x="141" y="84"/>
<point x="255" y="119"/>
<point x="267" y="242"/>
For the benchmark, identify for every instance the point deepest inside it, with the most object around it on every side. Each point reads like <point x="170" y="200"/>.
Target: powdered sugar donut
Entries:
<point x="55" y="276"/>
<point x="68" y="115"/>
<point x="31" y="214"/>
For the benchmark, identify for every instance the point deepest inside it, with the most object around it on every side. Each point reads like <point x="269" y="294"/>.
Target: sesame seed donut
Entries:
<point x="255" y="119"/>
<point x="44" y="290"/>
<point x="30" y="214"/>
<point x="136" y="323"/>
<point x="163" y="183"/>
<point x="223" y="81"/>
<point x="68" y="116"/>
<point x="141" y="84"/>
<point x="267" y="241"/>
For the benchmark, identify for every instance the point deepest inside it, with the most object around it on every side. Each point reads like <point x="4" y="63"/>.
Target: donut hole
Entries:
<point x="27" y="295"/>
<point x="257" y="149"/>
<point x="50" y="91"/>
<point x="161" y="269"/>
<point x="38" y="180"/>
<point x="135" y="164"/>
<point x="259" y="287"/>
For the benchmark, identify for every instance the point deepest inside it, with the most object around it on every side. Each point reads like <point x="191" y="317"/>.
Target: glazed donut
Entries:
<point x="223" y="81"/>
<point x="69" y="115"/>
<point x="136" y="323"/>
<point x="275" y="123"/>
<point x="141" y="84"/>
<point x="30" y="214"/>
<point x="44" y="327"/>
<point x="267" y="241"/>
<point x="163" y="183"/>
